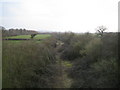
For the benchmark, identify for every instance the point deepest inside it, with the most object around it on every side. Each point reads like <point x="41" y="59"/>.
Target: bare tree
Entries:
<point x="101" y="30"/>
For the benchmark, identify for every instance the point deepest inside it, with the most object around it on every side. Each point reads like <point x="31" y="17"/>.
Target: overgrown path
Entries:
<point x="64" y="81"/>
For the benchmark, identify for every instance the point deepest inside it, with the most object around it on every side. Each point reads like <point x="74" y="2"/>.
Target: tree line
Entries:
<point x="14" y="32"/>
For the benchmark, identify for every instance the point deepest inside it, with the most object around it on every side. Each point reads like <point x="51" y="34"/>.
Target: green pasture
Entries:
<point x="42" y="36"/>
<point x="39" y="36"/>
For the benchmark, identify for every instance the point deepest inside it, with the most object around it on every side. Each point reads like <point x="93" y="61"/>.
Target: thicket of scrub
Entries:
<point x="29" y="64"/>
<point x="94" y="59"/>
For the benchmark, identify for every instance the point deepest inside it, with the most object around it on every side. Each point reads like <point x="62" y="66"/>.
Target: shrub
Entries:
<point x="107" y="72"/>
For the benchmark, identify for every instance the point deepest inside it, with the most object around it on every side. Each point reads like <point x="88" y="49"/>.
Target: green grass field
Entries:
<point x="39" y="36"/>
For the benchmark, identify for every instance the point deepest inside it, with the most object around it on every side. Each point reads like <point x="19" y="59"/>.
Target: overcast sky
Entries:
<point x="59" y="15"/>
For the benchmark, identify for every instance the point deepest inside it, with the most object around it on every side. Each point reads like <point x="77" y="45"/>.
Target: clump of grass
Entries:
<point x="67" y="63"/>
